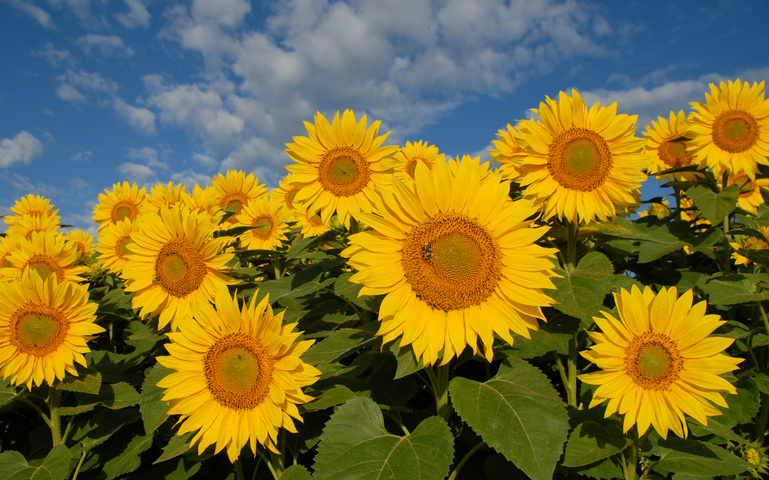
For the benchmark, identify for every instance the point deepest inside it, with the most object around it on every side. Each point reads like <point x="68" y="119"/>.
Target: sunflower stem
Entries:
<point x="727" y="254"/>
<point x="238" y="466"/>
<point x="571" y="246"/>
<point x="54" y="397"/>
<point x="439" y="379"/>
<point x="763" y="316"/>
<point x="79" y="464"/>
<point x="630" y="460"/>
<point x="464" y="460"/>
<point x="572" y="372"/>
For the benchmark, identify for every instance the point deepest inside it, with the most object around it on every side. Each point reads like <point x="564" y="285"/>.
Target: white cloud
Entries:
<point x="137" y="173"/>
<point x="137" y="15"/>
<point x="138" y="117"/>
<point x="148" y="155"/>
<point x="227" y="13"/>
<point x="205" y="161"/>
<point x="24" y="147"/>
<point x="54" y="56"/>
<point x="67" y="92"/>
<point x="42" y="17"/>
<point x="83" y="157"/>
<point x="190" y="178"/>
<point x="73" y="82"/>
<point x="104" y="45"/>
<point x="257" y="153"/>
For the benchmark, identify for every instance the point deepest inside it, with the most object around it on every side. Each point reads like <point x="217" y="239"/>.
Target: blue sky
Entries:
<point x="94" y="92"/>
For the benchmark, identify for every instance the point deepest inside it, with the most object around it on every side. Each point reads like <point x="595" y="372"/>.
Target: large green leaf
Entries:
<point x="13" y="465"/>
<point x="129" y="459"/>
<point x="735" y="289"/>
<point x="295" y="472"/>
<point x="153" y="409"/>
<point x="337" y="345"/>
<point x="591" y="441"/>
<point x="698" y="458"/>
<point x="580" y="292"/>
<point x="356" y="445"/>
<point x="7" y="392"/>
<point x="714" y="206"/>
<point x="87" y="381"/>
<point x="518" y="413"/>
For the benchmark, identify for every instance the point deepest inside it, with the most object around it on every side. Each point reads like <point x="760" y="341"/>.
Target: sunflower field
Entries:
<point x="389" y="312"/>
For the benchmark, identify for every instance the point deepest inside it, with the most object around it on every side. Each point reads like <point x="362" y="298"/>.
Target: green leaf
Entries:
<point x="355" y="444"/>
<point x="129" y="459"/>
<point x="118" y="395"/>
<point x="406" y="360"/>
<point x="153" y="409"/>
<point x="88" y="381"/>
<point x="518" y="413"/>
<point x="330" y="397"/>
<point x="296" y="472"/>
<point x="178" y="445"/>
<point x="93" y="430"/>
<point x="348" y="290"/>
<point x="551" y="336"/>
<point x="580" y="293"/>
<point x="714" y="206"/>
<point x="592" y="441"/>
<point x="665" y="239"/>
<point x="7" y="391"/>
<point x="337" y="345"/>
<point x="13" y="465"/>
<point x="734" y="289"/>
<point x="698" y="458"/>
<point x="744" y="406"/>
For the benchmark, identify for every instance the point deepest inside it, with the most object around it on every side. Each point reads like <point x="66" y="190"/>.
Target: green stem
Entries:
<point x="727" y="252"/>
<point x="79" y="464"/>
<point x="572" y="388"/>
<point x="268" y="463"/>
<point x="464" y="460"/>
<point x="238" y="466"/>
<point x="763" y="317"/>
<point x="54" y="397"/>
<point x="630" y="461"/>
<point x="677" y="191"/>
<point x="571" y="246"/>
<point x="439" y="379"/>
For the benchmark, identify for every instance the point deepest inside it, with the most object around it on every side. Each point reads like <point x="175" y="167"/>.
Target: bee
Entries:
<point x="427" y="252"/>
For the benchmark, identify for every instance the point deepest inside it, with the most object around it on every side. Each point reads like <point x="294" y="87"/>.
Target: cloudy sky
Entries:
<point x="94" y="92"/>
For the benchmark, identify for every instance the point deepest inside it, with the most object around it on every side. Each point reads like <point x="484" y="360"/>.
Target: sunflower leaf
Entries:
<point x="698" y="458"/>
<point x="355" y="444"/>
<point x="178" y="445"/>
<point x="529" y="423"/>
<point x="591" y="441"/>
<point x="129" y="459"/>
<point x="296" y="472"/>
<point x="714" y="205"/>
<point x="88" y="381"/>
<point x="580" y="292"/>
<point x="154" y="410"/>
<point x="13" y="465"/>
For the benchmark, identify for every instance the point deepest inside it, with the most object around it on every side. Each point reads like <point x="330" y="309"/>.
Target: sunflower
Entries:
<point x="659" y="210"/>
<point x="730" y="133"/>
<point x="124" y="201"/>
<point x="8" y="244"/>
<point x="203" y="200"/>
<point x="235" y="189"/>
<point x="174" y="263"/>
<point x="113" y="245"/>
<point x="749" y="243"/>
<point x="238" y="375"/>
<point x="750" y="192"/>
<point x="312" y="223"/>
<point x="405" y="161"/>
<point x="83" y="241"/>
<point x="268" y="219"/>
<point x="286" y="192"/>
<point x="668" y="147"/>
<point x="339" y="165"/>
<point x="24" y="225"/>
<point x="32" y="205"/>
<point x="579" y="164"/>
<point x="44" y="327"/>
<point x="658" y="362"/>
<point x="48" y="254"/>
<point x="456" y="260"/>
<point x="162" y="195"/>
<point x="507" y="152"/>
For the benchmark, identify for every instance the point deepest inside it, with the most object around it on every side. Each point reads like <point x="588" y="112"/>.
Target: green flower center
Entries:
<point x="44" y="266"/>
<point x="343" y="171"/>
<point x="262" y="227"/>
<point x="179" y="268"/>
<point x="579" y="159"/>
<point x="38" y="329"/>
<point x="652" y="360"/>
<point x="238" y="371"/>
<point x="123" y="210"/>
<point x="456" y="257"/>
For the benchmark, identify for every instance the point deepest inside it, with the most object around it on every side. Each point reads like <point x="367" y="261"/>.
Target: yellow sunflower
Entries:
<point x="659" y="210"/>
<point x="286" y="192"/>
<point x="667" y="151"/>
<point x="340" y="165"/>
<point x="83" y="241"/>
<point x="24" y="225"/>
<point x="164" y="196"/>
<point x="48" y="254"/>
<point x="124" y="201"/>
<point x="238" y="375"/>
<point x="235" y="189"/>
<point x="658" y="362"/>
<point x="174" y="263"/>
<point x="8" y="244"/>
<point x="113" y="245"/>
<point x="507" y="152"/>
<point x="32" y="205"/>
<point x="749" y="243"/>
<point x="268" y="217"/>
<point x="44" y="327"/>
<point x="456" y="260"/>
<point x="580" y="164"/>
<point x="312" y="224"/>
<point x="730" y="133"/>
<point x="405" y="161"/>
<point x="204" y="200"/>
<point x="750" y="191"/>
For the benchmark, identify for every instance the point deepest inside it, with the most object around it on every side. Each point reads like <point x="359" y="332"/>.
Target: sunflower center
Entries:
<point x="451" y="262"/>
<point x="38" y="329"/>
<point x="411" y="167"/>
<point x="290" y="197"/>
<point x="674" y="154"/>
<point x="343" y="171"/>
<point x="121" y="247"/>
<point x="262" y="227"/>
<point x="735" y="131"/>
<point x="653" y="361"/>
<point x="179" y="268"/>
<point x="238" y="371"/>
<point x="124" y="209"/>
<point x="45" y="266"/>
<point x="579" y="159"/>
<point x="315" y="220"/>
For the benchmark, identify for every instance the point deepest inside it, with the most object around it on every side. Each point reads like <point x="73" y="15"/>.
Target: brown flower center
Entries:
<point x="45" y="266"/>
<point x="652" y="361"/>
<point x="179" y="268"/>
<point x="735" y="131"/>
<point x="262" y="226"/>
<point x="579" y="159"/>
<point x="124" y="209"/>
<point x="343" y="171"/>
<point x="451" y="262"/>
<point x="674" y="155"/>
<point x="238" y="371"/>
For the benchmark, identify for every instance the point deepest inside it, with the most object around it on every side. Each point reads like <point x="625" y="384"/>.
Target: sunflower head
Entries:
<point x="339" y="165"/>
<point x="266" y="218"/>
<point x="24" y="225"/>
<point x="507" y="152"/>
<point x="123" y="201"/>
<point x="405" y="161"/>
<point x="286" y="192"/>
<point x="235" y="189"/>
<point x="755" y="453"/>
<point x="44" y="326"/>
<point x="48" y="254"/>
<point x="749" y="243"/>
<point x="238" y="375"/>
<point x="668" y="148"/>
<point x="659" y="361"/>
<point x="113" y="245"/>
<point x="164" y="195"/>
<point x="730" y="132"/>
<point x="579" y="164"/>
<point x="34" y="205"/>
<point x="83" y="241"/>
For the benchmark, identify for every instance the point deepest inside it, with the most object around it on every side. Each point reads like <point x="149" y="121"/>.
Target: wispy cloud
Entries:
<point x="136" y="16"/>
<point x="41" y="16"/>
<point x="138" y="117"/>
<point x="104" y="45"/>
<point x="22" y="148"/>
